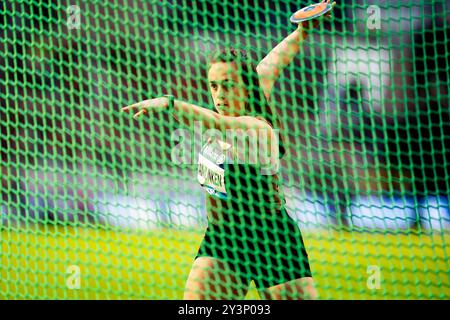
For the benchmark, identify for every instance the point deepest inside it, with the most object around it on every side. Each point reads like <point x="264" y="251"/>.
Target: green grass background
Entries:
<point x="154" y="264"/>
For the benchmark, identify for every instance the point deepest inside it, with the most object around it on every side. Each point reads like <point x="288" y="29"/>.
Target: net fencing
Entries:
<point x="98" y="205"/>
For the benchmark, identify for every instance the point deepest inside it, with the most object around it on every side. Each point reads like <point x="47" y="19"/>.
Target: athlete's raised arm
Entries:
<point x="273" y="64"/>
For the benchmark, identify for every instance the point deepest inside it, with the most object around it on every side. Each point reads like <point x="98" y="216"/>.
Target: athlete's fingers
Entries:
<point x="127" y="108"/>
<point x="143" y="111"/>
<point x="328" y="14"/>
<point x="133" y="106"/>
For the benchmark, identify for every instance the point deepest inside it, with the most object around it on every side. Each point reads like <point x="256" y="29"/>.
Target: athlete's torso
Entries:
<point x="235" y="187"/>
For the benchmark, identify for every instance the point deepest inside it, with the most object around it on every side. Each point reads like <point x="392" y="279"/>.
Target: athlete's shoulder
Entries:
<point x="264" y="120"/>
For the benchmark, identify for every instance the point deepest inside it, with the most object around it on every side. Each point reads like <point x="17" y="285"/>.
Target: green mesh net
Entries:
<point x="98" y="205"/>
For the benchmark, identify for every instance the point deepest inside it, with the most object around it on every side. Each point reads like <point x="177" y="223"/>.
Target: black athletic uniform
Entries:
<point x="248" y="226"/>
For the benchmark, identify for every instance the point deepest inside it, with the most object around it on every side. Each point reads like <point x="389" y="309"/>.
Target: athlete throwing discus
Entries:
<point x="250" y="235"/>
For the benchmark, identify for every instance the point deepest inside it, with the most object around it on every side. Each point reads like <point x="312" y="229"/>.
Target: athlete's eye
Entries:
<point x="214" y="86"/>
<point x="228" y="85"/>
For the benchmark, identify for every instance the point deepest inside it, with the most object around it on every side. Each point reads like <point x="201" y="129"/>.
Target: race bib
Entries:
<point x="211" y="172"/>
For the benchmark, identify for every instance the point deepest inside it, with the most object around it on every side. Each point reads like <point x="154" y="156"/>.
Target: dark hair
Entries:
<point x="257" y="104"/>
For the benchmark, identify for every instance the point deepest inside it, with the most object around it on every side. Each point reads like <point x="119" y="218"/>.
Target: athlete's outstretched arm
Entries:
<point x="188" y="114"/>
<point x="273" y="64"/>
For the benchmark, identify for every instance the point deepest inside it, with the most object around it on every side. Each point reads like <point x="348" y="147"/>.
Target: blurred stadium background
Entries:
<point x="364" y="106"/>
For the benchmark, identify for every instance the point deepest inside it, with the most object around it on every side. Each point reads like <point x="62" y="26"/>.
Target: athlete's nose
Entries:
<point x="220" y="93"/>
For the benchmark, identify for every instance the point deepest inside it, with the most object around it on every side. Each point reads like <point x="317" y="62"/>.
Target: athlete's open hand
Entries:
<point x="141" y="108"/>
<point x="311" y="24"/>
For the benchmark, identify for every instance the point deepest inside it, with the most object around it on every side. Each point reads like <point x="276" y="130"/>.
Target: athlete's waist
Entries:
<point x="239" y="218"/>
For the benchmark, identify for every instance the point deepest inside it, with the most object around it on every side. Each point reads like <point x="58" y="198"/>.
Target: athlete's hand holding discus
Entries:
<point x="309" y="17"/>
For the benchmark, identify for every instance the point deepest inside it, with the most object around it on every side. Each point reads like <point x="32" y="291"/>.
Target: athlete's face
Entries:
<point x="227" y="88"/>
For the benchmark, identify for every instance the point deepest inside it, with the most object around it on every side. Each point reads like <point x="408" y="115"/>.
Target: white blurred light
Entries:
<point x="307" y="211"/>
<point x="435" y="214"/>
<point x="130" y="212"/>
<point x="187" y="211"/>
<point x="381" y="213"/>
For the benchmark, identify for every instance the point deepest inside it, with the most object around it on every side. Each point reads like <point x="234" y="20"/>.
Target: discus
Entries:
<point x="311" y="12"/>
